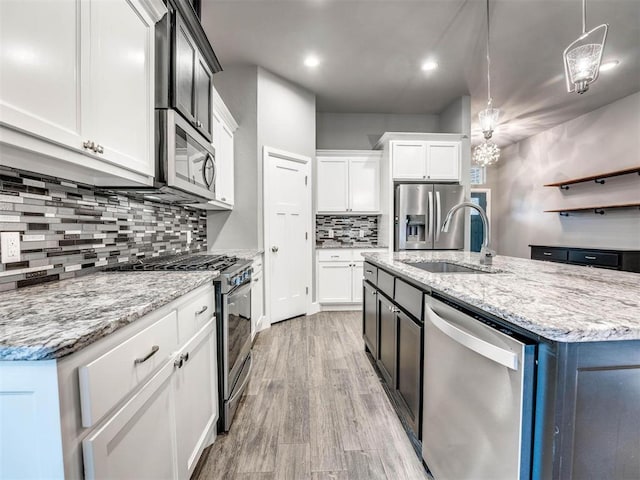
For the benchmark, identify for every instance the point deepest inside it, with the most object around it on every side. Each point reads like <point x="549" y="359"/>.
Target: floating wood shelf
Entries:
<point x="564" y="185"/>
<point x="599" y="209"/>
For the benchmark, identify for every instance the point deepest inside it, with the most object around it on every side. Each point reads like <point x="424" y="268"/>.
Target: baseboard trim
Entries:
<point x="341" y="307"/>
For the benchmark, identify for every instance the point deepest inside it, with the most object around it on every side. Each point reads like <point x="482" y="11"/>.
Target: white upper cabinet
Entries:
<point x="333" y="184"/>
<point x="348" y="182"/>
<point x="426" y="160"/>
<point x="223" y="127"/>
<point x="117" y="99"/>
<point x="79" y="74"/>
<point x="409" y="160"/>
<point x="443" y="160"/>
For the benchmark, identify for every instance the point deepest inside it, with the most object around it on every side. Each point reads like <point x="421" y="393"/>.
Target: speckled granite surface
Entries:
<point x="56" y="319"/>
<point x="243" y="253"/>
<point x="564" y="303"/>
<point x="350" y="246"/>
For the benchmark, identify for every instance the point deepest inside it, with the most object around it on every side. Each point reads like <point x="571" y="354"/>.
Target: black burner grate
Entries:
<point x="182" y="262"/>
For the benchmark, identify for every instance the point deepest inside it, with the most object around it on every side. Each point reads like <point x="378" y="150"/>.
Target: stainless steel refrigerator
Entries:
<point x="420" y="209"/>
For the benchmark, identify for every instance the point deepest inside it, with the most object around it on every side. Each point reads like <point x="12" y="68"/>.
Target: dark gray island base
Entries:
<point x="582" y="412"/>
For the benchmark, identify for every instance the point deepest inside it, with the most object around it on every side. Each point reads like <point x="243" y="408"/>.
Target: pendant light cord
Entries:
<point x="489" y="99"/>
<point x="584" y="16"/>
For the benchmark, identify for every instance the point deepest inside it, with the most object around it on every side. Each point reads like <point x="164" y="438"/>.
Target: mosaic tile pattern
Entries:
<point x="346" y="230"/>
<point x="68" y="229"/>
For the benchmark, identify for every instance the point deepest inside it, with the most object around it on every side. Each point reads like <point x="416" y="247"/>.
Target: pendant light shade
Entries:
<point x="583" y="56"/>
<point x="487" y="153"/>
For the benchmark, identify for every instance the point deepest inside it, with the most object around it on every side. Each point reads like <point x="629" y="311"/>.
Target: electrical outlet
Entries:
<point x="10" y="246"/>
<point x="362" y="232"/>
<point x="331" y="233"/>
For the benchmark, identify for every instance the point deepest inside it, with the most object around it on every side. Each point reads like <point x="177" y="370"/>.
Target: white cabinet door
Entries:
<point x="357" y="272"/>
<point x="409" y="160"/>
<point x="225" y="164"/>
<point x="333" y="184"/>
<point x="196" y="398"/>
<point x="334" y="282"/>
<point x="364" y="185"/>
<point x="40" y="49"/>
<point x="443" y="161"/>
<point x="257" y="301"/>
<point x="138" y="440"/>
<point x="118" y="99"/>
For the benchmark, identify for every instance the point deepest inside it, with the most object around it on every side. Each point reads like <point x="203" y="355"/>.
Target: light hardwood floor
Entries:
<point x="314" y="409"/>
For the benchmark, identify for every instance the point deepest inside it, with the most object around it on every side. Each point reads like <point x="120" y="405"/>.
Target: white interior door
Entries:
<point x="287" y="233"/>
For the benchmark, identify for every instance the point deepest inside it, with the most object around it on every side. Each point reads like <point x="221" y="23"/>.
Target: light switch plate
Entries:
<point x="361" y="233"/>
<point x="10" y="246"/>
<point x="330" y="233"/>
<point x="188" y="237"/>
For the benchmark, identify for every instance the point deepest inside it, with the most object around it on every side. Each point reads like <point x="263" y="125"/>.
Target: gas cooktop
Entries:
<point x="188" y="262"/>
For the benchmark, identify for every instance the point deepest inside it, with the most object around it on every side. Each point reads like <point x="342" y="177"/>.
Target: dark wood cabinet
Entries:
<point x="370" y="318"/>
<point x="410" y="369"/>
<point x="388" y="341"/>
<point x="627" y="260"/>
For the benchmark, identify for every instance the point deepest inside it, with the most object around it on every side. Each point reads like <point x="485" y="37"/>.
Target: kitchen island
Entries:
<point x="582" y="325"/>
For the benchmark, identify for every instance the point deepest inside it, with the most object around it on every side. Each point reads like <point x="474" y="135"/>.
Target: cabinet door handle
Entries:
<point x="181" y="360"/>
<point x="335" y="256"/>
<point x="223" y="199"/>
<point x="202" y="310"/>
<point x="153" y="351"/>
<point x="548" y="254"/>
<point x="369" y="271"/>
<point x="374" y="292"/>
<point x="89" y="145"/>
<point x="589" y="257"/>
<point x="99" y="149"/>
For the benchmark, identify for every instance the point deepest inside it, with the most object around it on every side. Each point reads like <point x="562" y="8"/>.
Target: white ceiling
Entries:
<point x="372" y="50"/>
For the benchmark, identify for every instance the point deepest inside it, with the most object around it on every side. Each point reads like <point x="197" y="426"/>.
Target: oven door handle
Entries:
<point x="244" y="382"/>
<point x="239" y="289"/>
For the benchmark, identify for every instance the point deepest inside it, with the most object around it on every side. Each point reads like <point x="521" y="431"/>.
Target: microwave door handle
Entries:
<point x="438" y="215"/>
<point x="430" y="219"/>
<point x="488" y="350"/>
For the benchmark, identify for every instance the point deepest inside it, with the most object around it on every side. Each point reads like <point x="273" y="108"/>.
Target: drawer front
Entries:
<point x="194" y="313"/>
<point x="554" y="254"/>
<point x="335" y="255"/>
<point x="108" y="379"/>
<point x="385" y="283"/>
<point x="410" y="298"/>
<point x="370" y="273"/>
<point x="594" y="258"/>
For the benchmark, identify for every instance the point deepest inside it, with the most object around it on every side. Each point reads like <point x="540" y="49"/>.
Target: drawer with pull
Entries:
<point x="194" y="312"/>
<point x="551" y="254"/>
<point x="345" y="255"/>
<point x="370" y="273"/>
<point x="599" y="259"/>
<point x="111" y="377"/>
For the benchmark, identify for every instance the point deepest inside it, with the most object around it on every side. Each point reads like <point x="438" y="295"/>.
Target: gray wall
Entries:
<point x="456" y="117"/>
<point x="603" y="140"/>
<point x="270" y="111"/>
<point x="361" y="131"/>
<point x="238" y="87"/>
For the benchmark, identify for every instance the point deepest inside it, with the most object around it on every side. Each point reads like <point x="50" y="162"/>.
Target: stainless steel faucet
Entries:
<point x="486" y="254"/>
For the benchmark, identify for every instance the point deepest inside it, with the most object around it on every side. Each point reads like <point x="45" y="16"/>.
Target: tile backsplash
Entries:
<point x="346" y="230"/>
<point x="68" y="229"/>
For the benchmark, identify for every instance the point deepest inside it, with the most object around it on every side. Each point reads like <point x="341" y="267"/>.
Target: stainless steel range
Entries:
<point x="233" y="319"/>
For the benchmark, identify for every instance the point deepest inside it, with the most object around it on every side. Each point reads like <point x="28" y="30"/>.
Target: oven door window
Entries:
<point x="182" y="154"/>
<point x="239" y="318"/>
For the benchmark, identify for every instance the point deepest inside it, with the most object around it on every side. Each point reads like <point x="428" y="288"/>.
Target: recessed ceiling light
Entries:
<point x="609" y="65"/>
<point x="429" y="65"/>
<point x="311" y="61"/>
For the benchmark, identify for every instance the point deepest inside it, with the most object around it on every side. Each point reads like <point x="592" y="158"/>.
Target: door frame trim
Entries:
<point x="267" y="153"/>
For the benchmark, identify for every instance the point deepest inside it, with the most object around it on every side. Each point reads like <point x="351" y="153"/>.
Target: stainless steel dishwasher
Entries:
<point x="477" y="398"/>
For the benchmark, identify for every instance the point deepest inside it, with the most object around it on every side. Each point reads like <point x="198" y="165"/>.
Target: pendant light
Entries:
<point x="487" y="153"/>
<point x="583" y="56"/>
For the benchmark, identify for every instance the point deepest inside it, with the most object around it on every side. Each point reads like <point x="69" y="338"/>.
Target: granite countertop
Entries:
<point x="52" y="320"/>
<point x="351" y="246"/>
<point x="242" y="253"/>
<point x="564" y="303"/>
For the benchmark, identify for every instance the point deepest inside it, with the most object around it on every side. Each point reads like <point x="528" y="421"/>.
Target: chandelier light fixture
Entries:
<point x="583" y="56"/>
<point x="487" y="153"/>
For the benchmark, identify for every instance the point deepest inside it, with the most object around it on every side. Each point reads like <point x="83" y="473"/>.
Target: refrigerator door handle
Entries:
<point x="430" y="220"/>
<point x="438" y="215"/>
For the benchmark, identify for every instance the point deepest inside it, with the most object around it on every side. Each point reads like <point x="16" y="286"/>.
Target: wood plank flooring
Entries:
<point x="314" y="409"/>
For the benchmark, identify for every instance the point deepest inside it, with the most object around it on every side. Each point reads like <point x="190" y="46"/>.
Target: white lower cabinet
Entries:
<point x="138" y="440"/>
<point x="196" y="403"/>
<point x="257" y="300"/>
<point x="340" y="274"/>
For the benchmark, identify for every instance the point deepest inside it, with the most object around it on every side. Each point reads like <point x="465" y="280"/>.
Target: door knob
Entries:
<point x="274" y="249"/>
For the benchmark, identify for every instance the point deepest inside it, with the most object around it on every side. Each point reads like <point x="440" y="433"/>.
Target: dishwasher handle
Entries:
<point x="481" y="347"/>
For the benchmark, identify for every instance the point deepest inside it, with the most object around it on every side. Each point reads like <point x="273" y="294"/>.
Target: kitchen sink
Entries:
<point x="443" y="267"/>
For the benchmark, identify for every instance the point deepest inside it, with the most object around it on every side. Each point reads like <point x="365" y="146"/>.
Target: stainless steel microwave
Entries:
<point x="185" y="163"/>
